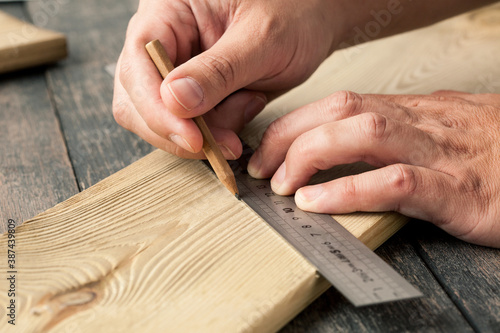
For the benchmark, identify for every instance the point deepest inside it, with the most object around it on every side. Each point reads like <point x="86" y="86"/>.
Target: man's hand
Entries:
<point x="439" y="158"/>
<point x="238" y="52"/>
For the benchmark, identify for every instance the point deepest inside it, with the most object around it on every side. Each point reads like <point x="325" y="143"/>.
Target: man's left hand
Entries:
<point x="438" y="157"/>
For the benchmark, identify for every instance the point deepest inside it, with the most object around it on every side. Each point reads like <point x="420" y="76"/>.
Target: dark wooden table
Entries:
<point x="58" y="137"/>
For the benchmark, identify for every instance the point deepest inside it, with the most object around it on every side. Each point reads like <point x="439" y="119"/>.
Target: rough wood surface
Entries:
<point x="470" y="275"/>
<point x="434" y="313"/>
<point x="81" y="92"/>
<point x="24" y="45"/>
<point x="142" y="239"/>
<point x="35" y="171"/>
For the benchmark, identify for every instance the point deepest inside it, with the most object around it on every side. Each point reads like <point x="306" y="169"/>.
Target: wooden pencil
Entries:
<point x="210" y="147"/>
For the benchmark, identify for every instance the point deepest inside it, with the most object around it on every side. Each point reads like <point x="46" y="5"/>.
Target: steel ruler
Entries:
<point x="351" y="267"/>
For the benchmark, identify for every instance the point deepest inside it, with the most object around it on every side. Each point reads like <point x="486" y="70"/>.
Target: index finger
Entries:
<point x="140" y="78"/>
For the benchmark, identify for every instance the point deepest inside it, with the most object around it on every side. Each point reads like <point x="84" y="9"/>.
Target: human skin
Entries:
<point x="232" y="57"/>
<point x="438" y="158"/>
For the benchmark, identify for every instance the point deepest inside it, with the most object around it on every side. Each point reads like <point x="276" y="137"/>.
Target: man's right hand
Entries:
<point x="231" y="55"/>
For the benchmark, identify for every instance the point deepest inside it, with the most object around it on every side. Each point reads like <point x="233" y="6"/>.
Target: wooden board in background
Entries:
<point x="24" y="45"/>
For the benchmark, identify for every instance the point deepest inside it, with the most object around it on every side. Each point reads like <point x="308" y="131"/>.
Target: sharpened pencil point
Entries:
<point x="237" y="196"/>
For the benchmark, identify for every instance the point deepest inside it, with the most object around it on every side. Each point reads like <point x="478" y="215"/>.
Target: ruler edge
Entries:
<point x="394" y="275"/>
<point x="417" y="292"/>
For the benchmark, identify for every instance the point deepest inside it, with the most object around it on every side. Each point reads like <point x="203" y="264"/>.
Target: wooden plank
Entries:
<point x="165" y="237"/>
<point x="35" y="172"/>
<point x="23" y="45"/>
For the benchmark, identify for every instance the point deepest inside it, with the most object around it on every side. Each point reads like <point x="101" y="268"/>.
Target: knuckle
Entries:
<point x="403" y="178"/>
<point x="132" y="25"/>
<point x="125" y="72"/>
<point x="374" y="125"/>
<point x="347" y="103"/>
<point x="275" y="133"/>
<point x="322" y="136"/>
<point x="302" y="149"/>
<point x="222" y="68"/>
<point x="454" y="123"/>
<point x="311" y="147"/>
<point x="120" y="112"/>
<point x="471" y="183"/>
<point x="350" y="187"/>
<point x="441" y="92"/>
<point x="153" y="121"/>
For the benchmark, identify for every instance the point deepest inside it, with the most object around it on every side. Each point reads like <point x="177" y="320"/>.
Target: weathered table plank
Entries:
<point x="83" y="90"/>
<point x="35" y="172"/>
<point x="433" y="313"/>
<point x="470" y="274"/>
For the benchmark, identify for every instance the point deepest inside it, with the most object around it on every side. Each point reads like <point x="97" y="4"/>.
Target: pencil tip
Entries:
<point x="237" y="196"/>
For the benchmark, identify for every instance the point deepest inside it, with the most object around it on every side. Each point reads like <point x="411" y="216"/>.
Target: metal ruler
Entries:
<point x="351" y="267"/>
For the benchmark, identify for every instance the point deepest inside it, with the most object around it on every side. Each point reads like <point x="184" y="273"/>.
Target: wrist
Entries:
<point x="364" y="21"/>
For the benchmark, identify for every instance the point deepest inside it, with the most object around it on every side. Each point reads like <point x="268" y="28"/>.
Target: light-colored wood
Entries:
<point x="161" y="246"/>
<point x="23" y="45"/>
<point x="210" y="147"/>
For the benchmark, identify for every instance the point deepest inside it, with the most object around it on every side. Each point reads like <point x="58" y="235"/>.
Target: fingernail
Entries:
<point x="278" y="178"/>
<point x="309" y="193"/>
<point x="181" y="142"/>
<point x="223" y="148"/>
<point x="187" y="92"/>
<point x="253" y="108"/>
<point x="254" y="164"/>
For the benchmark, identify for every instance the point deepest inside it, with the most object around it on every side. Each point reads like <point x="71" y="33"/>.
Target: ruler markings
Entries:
<point x="356" y="271"/>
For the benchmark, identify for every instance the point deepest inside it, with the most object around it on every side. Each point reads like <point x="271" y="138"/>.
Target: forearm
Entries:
<point x="366" y="20"/>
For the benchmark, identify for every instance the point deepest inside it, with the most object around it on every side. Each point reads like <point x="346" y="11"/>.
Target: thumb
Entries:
<point x="198" y="85"/>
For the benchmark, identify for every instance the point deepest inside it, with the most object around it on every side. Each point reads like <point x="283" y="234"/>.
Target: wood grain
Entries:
<point x="35" y="171"/>
<point x="29" y="132"/>
<point x="434" y="313"/>
<point x="470" y="274"/>
<point x="142" y="238"/>
<point x="23" y="45"/>
<point x="82" y="91"/>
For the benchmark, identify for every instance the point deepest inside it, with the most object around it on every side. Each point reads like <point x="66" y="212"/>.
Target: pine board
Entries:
<point x="165" y="237"/>
<point x="24" y="45"/>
